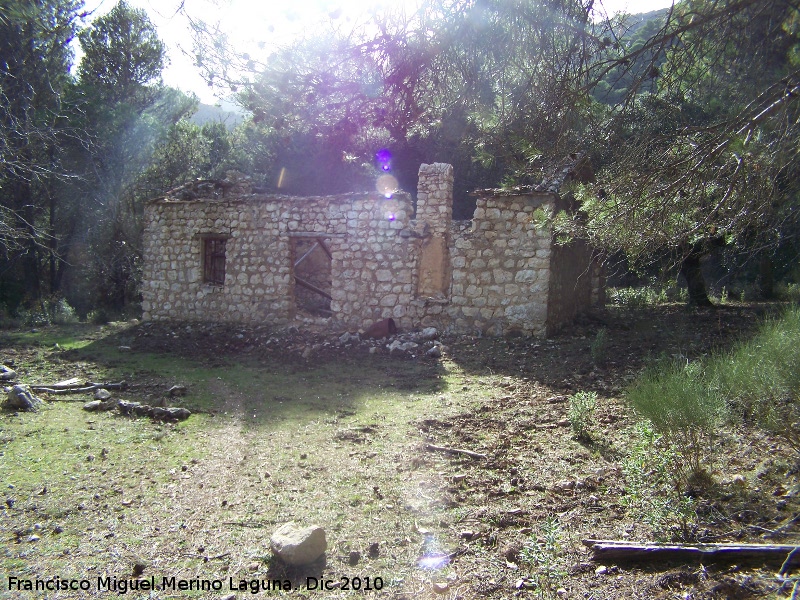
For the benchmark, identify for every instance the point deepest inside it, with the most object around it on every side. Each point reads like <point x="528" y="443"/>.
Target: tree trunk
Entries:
<point x="30" y="257"/>
<point x="690" y="269"/>
<point x="766" y="281"/>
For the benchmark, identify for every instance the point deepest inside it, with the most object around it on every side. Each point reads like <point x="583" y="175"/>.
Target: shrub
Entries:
<point x="542" y="553"/>
<point x="674" y="397"/>
<point x="788" y="291"/>
<point x="760" y="378"/>
<point x="599" y="348"/>
<point x="639" y="297"/>
<point x="581" y="413"/>
<point x="653" y="495"/>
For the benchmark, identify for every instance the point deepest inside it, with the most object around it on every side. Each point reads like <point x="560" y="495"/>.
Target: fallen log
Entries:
<point x="68" y="387"/>
<point x="469" y="453"/>
<point x="619" y="550"/>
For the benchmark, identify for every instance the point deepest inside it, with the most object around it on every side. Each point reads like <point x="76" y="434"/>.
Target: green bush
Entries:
<point x="760" y="378"/>
<point x="581" y="413"/>
<point x="636" y="297"/>
<point x="652" y="494"/>
<point x="599" y="348"/>
<point x="789" y="292"/>
<point x="52" y="311"/>
<point x="674" y="397"/>
<point x="543" y="554"/>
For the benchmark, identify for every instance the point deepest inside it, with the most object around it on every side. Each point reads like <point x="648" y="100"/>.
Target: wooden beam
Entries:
<point x="310" y="250"/>
<point x="315" y="234"/>
<point x="324" y="248"/>
<point x="312" y="287"/>
<point x="622" y="550"/>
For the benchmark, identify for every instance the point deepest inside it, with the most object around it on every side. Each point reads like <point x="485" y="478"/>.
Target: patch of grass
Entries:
<point x="94" y="493"/>
<point x="543" y="554"/>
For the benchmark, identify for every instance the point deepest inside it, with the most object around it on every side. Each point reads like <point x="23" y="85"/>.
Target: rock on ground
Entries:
<point x="298" y="545"/>
<point x="20" y="397"/>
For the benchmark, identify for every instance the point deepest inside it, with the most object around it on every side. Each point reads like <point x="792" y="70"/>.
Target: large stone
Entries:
<point x="296" y="545"/>
<point x="20" y="397"/>
<point x="7" y="373"/>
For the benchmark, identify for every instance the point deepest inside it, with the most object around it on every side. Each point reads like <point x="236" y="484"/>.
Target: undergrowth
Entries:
<point x="653" y="493"/>
<point x="760" y="378"/>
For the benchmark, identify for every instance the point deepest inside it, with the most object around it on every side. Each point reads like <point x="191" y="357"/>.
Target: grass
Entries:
<point x="760" y="377"/>
<point x="100" y="493"/>
<point x="340" y="441"/>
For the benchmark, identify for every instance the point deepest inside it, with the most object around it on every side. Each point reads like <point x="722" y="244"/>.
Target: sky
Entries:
<point x="252" y="22"/>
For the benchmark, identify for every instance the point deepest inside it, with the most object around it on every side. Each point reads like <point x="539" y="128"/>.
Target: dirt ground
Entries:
<point x="507" y="522"/>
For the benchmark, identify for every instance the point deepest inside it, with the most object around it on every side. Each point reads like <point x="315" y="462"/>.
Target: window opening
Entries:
<point x="312" y="276"/>
<point x="214" y="260"/>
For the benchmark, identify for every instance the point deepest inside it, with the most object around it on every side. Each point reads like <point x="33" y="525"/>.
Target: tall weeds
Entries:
<point x="760" y="378"/>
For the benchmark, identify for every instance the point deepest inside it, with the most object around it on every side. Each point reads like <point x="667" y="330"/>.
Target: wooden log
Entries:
<point x="469" y="453"/>
<point x="70" y="387"/>
<point x="632" y="551"/>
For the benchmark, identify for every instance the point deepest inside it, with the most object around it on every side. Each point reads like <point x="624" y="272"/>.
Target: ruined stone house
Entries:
<point x="216" y="251"/>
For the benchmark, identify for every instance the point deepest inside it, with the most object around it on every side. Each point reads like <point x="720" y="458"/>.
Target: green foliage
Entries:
<point x="52" y="311"/>
<point x="581" y="413"/>
<point x="684" y="404"/>
<point x="674" y="397"/>
<point x="599" y="347"/>
<point x="122" y="54"/>
<point x="640" y="297"/>
<point x="760" y="378"/>
<point x="542" y="553"/>
<point x="652" y="493"/>
<point x="788" y="292"/>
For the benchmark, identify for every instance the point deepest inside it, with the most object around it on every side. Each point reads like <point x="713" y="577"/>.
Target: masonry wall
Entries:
<point x="500" y="268"/>
<point x="371" y="266"/>
<point x="496" y="274"/>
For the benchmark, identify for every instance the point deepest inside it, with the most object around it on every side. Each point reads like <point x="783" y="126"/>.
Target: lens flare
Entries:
<point x="384" y="158"/>
<point x="390" y="209"/>
<point x="387" y="185"/>
<point x="433" y="563"/>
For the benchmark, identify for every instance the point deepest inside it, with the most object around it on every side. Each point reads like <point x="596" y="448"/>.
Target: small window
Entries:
<point x="214" y="260"/>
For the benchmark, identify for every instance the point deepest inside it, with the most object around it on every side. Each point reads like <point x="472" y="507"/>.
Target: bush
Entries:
<point x="789" y="292"/>
<point x="581" y="413"/>
<point x="760" y="378"/>
<point x="599" y="348"/>
<point x="52" y="311"/>
<point x="543" y="553"/>
<point x="652" y="494"/>
<point x="636" y="297"/>
<point x="674" y="397"/>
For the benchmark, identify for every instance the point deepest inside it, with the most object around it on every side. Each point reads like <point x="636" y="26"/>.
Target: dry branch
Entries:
<point x="70" y="387"/>
<point x="622" y="550"/>
<point x="469" y="453"/>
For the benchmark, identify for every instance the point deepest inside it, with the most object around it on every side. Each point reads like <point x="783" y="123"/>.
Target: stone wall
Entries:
<point x="371" y="266"/>
<point x="496" y="274"/>
<point x="500" y="268"/>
